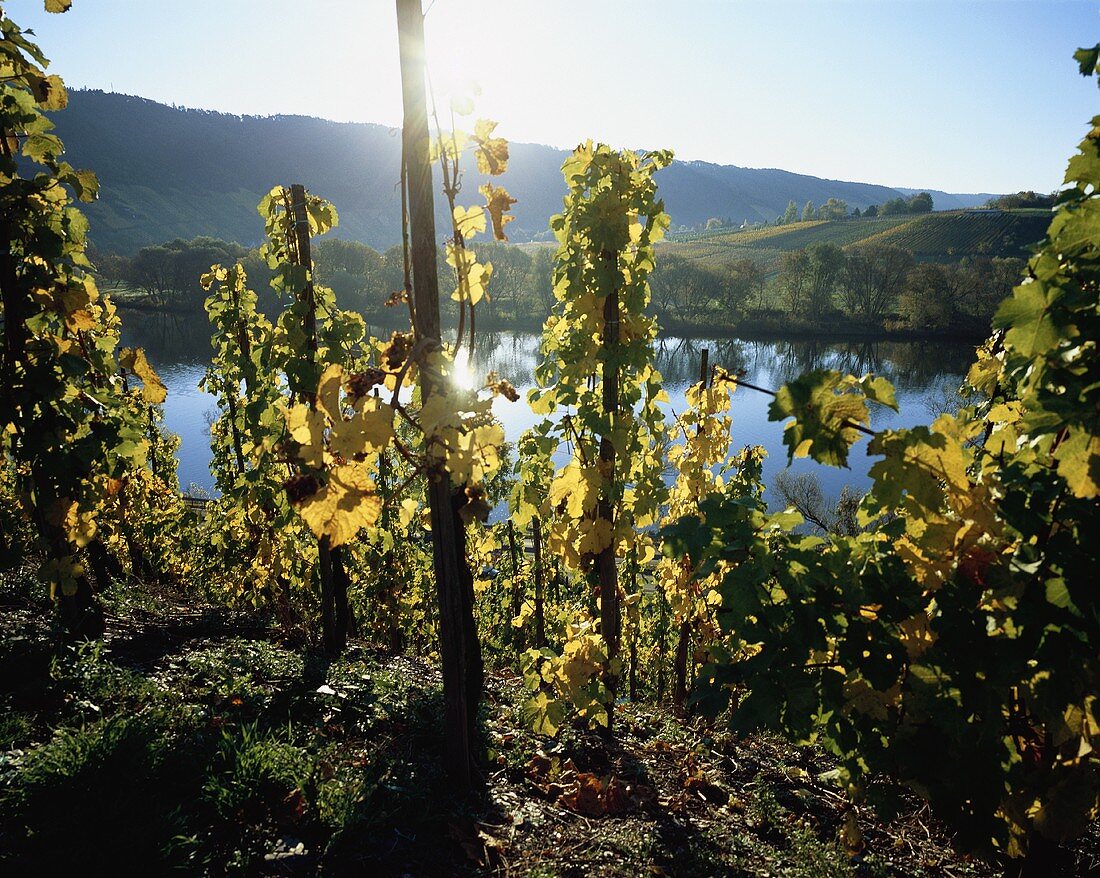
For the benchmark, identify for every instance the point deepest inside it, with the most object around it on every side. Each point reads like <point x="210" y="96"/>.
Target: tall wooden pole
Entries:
<point x="335" y="610"/>
<point x="459" y="649"/>
<point x="517" y="587"/>
<point x="680" y="666"/>
<point x="540" y="615"/>
<point x="606" y="572"/>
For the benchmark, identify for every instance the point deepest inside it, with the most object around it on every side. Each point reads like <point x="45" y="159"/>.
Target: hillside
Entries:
<point x="937" y="237"/>
<point x="170" y="172"/>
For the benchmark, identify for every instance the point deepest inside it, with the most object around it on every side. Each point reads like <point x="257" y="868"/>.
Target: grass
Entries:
<point x="212" y="752"/>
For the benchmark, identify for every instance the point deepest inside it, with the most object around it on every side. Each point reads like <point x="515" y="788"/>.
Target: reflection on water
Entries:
<point x="924" y="373"/>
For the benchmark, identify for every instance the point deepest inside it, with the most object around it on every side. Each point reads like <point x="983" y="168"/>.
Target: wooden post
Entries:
<point x="606" y="572"/>
<point x="517" y="588"/>
<point x="540" y="616"/>
<point x="388" y="578"/>
<point x="634" y="627"/>
<point x="679" y="692"/>
<point x="460" y="651"/>
<point x="662" y="644"/>
<point x="335" y="618"/>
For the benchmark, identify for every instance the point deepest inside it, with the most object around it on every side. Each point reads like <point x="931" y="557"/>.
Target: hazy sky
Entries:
<point x="948" y="94"/>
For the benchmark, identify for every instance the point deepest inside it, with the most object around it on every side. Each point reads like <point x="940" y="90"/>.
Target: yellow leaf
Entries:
<point x="478" y="281"/>
<point x="153" y="389"/>
<point x="595" y="536"/>
<point x="469" y="220"/>
<point x="78" y="295"/>
<point x="347" y="503"/>
<point x="328" y="391"/>
<point x="498" y="202"/>
<point x="577" y="487"/>
<point x="369" y="431"/>
<point x="492" y="152"/>
<point x="864" y="698"/>
<point x="80" y="321"/>
<point x="916" y="635"/>
<point x="307" y="428"/>
<point x="407" y="511"/>
<point x="1079" y="462"/>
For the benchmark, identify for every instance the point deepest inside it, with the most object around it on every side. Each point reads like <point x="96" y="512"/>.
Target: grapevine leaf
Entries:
<point x="492" y="152"/>
<point x="469" y="220"/>
<point x="825" y="408"/>
<point x="498" y="202"/>
<point x="153" y="389"/>
<point x="1026" y="315"/>
<point x="1088" y="60"/>
<point x="347" y="503"/>
<point x="1078" y="459"/>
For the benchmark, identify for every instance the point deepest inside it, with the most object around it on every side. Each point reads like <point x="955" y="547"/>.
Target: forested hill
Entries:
<point x="169" y="172"/>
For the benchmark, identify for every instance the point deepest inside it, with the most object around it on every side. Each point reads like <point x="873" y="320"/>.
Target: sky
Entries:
<point x="947" y="94"/>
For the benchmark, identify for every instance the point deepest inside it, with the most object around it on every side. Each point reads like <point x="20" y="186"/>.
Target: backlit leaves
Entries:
<point x="828" y="409"/>
<point x="153" y="389"/>
<point x="498" y="202"/>
<point x="347" y="503"/>
<point x="491" y="152"/>
<point x="966" y="612"/>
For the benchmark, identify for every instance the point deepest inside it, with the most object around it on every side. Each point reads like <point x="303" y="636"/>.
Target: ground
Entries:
<point x="195" y="740"/>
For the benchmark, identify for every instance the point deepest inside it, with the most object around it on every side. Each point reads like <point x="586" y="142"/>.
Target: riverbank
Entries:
<point x="775" y="326"/>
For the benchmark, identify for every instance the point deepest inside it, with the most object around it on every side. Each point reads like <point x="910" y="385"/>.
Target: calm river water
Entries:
<point x="925" y="375"/>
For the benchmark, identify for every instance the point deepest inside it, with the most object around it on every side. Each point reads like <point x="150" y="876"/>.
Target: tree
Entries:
<point x="872" y="278"/>
<point x="855" y="211"/>
<point x="808" y="212"/>
<point x="688" y="289"/>
<point x="169" y="273"/>
<point x="931" y="296"/>
<point x="826" y="264"/>
<point x="715" y="222"/>
<point x="1023" y="199"/>
<point x="353" y="271"/>
<point x="894" y="207"/>
<point x="833" y="209"/>
<point x="794" y="278"/>
<point x="871" y="210"/>
<point x="920" y="203"/>
<point x="539" y="287"/>
<point x="744" y="279"/>
<point x="790" y="215"/>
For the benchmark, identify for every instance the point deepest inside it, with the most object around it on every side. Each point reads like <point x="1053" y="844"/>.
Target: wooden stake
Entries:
<point x="459" y="648"/>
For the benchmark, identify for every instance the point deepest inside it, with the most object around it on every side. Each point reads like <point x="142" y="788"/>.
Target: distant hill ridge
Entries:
<point x="170" y="172"/>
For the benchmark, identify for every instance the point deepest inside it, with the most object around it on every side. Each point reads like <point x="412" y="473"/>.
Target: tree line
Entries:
<point x="887" y="285"/>
<point x="837" y="208"/>
<point x="819" y="284"/>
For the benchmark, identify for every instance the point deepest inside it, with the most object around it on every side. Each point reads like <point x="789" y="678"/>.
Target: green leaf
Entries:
<point x="825" y="406"/>
<point x="1026" y="315"/>
<point x="1078" y="459"/>
<point x="1088" y="60"/>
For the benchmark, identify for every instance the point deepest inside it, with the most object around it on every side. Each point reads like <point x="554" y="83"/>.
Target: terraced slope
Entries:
<point x="949" y="236"/>
<point x="937" y="237"/>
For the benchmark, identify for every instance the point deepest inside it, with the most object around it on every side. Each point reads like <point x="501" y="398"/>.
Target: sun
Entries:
<point x="462" y="373"/>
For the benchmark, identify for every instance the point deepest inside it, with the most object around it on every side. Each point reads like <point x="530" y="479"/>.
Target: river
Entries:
<point x="926" y="375"/>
